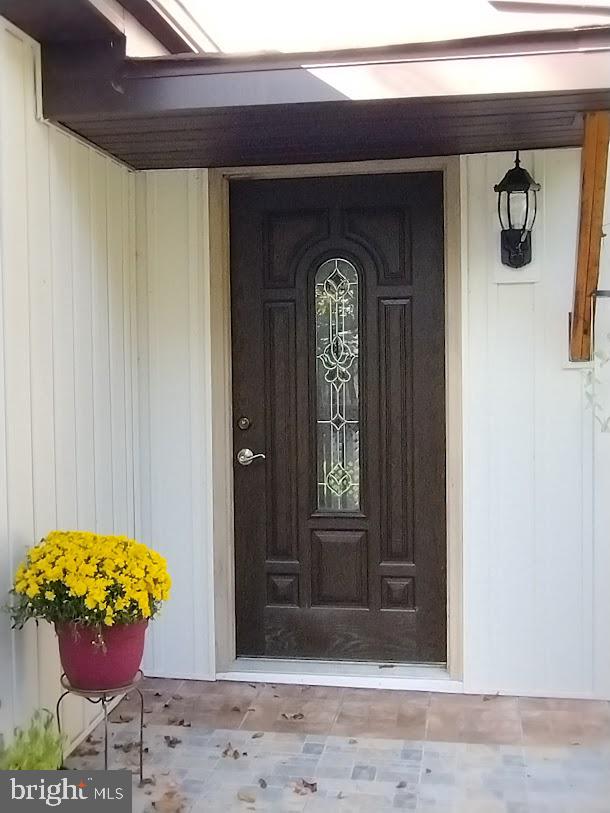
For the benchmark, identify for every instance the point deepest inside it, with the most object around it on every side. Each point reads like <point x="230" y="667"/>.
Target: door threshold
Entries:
<point x="348" y="674"/>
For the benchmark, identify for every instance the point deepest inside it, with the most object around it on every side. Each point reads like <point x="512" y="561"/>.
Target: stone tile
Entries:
<point x="472" y="701"/>
<point x="585" y="708"/>
<point x="364" y="772"/>
<point x="411" y="754"/>
<point x="487" y="723"/>
<point x="561" y="727"/>
<point x="388" y="696"/>
<point x="313" y="748"/>
<point x="345" y="757"/>
<point x="329" y="771"/>
<point x="405" y="801"/>
<point x="398" y="772"/>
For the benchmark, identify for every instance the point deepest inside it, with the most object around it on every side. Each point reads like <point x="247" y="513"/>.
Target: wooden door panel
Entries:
<point x="286" y="233"/>
<point x="353" y="635"/>
<point x="339" y="569"/>
<point x="281" y="438"/>
<point x="387" y="231"/>
<point x="338" y="365"/>
<point x="396" y="419"/>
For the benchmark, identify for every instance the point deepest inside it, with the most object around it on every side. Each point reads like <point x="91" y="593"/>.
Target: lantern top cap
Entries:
<point x="517" y="179"/>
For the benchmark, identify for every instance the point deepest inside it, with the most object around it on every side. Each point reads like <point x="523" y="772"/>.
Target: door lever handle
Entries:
<point x="246" y="456"/>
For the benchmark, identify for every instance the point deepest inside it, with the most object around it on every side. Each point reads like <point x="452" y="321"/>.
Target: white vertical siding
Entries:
<point x="599" y="392"/>
<point x="66" y="268"/>
<point x="533" y="540"/>
<point x="174" y="506"/>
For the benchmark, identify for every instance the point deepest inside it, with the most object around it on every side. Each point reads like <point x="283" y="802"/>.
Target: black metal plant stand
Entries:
<point x="104" y="697"/>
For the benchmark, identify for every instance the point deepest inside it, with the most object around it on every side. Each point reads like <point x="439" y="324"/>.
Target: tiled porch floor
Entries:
<point x="366" y="750"/>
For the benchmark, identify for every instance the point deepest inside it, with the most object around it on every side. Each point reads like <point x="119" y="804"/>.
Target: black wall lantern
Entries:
<point x="517" y="212"/>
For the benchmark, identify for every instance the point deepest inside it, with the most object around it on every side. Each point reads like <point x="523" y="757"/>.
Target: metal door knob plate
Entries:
<point x="246" y="456"/>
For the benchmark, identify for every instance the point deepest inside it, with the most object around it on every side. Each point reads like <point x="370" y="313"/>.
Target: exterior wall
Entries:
<point x="536" y="544"/>
<point x="66" y="439"/>
<point x="175" y="439"/>
<point x="536" y="539"/>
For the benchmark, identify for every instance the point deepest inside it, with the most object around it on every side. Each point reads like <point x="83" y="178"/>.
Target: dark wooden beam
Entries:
<point x="169" y="85"/>
<point x="528" y="43"/>
<point x="60" y="21"/>
<point x="152" y="20"/>
<point x="594" y="164"/>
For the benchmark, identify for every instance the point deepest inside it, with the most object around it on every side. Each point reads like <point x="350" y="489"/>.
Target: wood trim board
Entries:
<point x="594" y="163"/>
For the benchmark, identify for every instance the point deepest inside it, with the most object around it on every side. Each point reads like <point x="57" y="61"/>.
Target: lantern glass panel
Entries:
<point x="518" y="203"/>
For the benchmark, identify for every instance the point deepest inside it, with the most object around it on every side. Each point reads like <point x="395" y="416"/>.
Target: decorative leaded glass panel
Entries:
<point x="338" y="467"/>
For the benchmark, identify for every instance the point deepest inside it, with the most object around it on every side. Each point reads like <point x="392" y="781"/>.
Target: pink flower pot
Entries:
<point x="101" y="657"/>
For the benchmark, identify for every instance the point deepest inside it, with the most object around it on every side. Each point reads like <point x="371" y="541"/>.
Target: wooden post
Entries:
<point x="594" y="164"/>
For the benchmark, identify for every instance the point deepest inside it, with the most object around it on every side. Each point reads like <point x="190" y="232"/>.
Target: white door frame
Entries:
<point x="335" y="673"/>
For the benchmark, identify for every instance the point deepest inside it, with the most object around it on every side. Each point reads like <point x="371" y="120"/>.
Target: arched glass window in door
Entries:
<point x="337" y="386"/>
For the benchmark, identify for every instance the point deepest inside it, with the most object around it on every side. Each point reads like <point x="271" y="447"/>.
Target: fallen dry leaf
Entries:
<point x="125" y="747"/>
<point x="297" y="716"/>
<point x="171" y="802"/>
<point x="176" y="697"/>
<point x="235" y="754"/>
<point x="303" y="787"/>
<point x="245" y="796"/>
<point x="387" y="666"/>
<point x="236" y="708"/>
<point x="262" y="783"/>
<point x="178" y="721"/>
<point x="352" y="741"/>
<point x="124" y="718"/>
<point x="228" y="750"/>
<point x="87" y="752"/>
<point x="92" y="741"/>
<point x="171" y="742"/>
<point x="148" y="780"/>
<point x="341" y="795"/>
<point x="402" y="784"/>
<point x="257" y="735"/>
<point x="158" y="694"/>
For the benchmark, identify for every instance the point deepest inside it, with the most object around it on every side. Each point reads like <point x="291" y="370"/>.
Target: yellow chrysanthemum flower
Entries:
<point x="99" y="579"/>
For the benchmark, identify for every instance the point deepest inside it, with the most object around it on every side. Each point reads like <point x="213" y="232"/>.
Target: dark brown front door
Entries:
<point x="339" y="380"/>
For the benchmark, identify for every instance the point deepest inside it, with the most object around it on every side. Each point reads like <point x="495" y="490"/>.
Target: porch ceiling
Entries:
<point x="476" y="95"/>
<point x="343" y="131"/>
